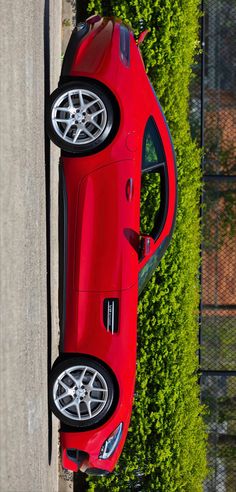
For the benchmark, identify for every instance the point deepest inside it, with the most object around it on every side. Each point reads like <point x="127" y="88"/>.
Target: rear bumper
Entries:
<point x="78" y="33"/>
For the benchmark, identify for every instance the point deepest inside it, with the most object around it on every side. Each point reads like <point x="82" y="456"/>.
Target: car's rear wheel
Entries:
<point x="81" y="392"/>
<point x="80" y="117"/>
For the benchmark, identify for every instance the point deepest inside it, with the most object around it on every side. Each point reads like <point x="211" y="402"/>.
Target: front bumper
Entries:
<point x="74" y="460"/>
<point x="81" y="450"/>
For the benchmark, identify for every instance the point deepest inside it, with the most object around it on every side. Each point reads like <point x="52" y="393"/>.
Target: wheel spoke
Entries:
<point x="99" y="401"/>
<point x="78" y="132"/>
<point x="71" y="404"/>
<point x="88" y="404"/>
<point x="81" y="101"/>
<point x="71" y="377"/>
<point x="68" y="128"/>
<point x="67" y="110"/>
<point x="71" y="105"/>
<point x="63" y="385"/>
<point x="82" y="375"/>
<point x="92" y="379"/>
<point x="60" y="397"/>
<point x="60" y="120"/>
<point x="98" y="389"/>
<point x="78" y="410"/>
<point x="85" y="130"/>
<point x="98" y="112"/>
<point x="95" y="124"/>
<point x="91" y="103"/>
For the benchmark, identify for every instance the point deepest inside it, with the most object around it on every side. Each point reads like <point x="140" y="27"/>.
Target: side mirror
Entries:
<point x="93" y="19"/>
<point x="142" y="36"/>
<point x="146" y="245"/>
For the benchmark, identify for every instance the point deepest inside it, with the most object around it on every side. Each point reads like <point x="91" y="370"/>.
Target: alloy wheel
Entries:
<point x="79" y="116"/>
<point x="80" y="393"/>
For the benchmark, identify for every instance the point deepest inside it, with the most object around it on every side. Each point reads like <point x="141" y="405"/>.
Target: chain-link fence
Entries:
<point x="213" y="117"/>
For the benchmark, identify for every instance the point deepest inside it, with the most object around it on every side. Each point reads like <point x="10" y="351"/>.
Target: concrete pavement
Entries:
<point x="24" y="426"/>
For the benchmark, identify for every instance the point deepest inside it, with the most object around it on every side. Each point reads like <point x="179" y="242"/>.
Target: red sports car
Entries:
<point x="115" y="142"/>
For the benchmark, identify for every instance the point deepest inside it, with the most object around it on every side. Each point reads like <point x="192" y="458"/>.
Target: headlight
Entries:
<point x="111" y="443"/>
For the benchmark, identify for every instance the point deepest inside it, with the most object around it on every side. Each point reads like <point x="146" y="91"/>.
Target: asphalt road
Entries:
<point x="29" y="332"/>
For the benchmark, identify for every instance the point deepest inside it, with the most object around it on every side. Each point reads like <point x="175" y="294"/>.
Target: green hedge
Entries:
<point x="166" y="445"/>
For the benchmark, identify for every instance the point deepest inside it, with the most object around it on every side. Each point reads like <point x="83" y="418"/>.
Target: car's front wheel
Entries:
<point x="81" y="117"/>
<point x="81" y="392"/>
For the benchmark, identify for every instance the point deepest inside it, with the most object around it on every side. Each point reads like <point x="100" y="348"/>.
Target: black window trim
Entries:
<point x="124" y="45"/>
<point x="153" y="167"/>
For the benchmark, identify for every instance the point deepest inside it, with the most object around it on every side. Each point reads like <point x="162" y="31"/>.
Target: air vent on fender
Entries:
<point x="111" y="314"/>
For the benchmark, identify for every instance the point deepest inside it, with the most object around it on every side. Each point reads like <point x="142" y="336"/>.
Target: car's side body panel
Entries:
<point x="107" y="237"/>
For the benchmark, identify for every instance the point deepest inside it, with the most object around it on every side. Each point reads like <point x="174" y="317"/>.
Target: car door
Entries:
<point x="107" y="229"/>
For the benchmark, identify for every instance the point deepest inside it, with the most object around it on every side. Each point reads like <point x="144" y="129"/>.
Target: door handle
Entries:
<point x="130" y="189"/>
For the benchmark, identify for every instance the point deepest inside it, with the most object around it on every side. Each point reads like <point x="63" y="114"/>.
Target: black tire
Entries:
<point x="105" y="412"/>
<point x="112" y="118"/>
<point x="97" y="472"/>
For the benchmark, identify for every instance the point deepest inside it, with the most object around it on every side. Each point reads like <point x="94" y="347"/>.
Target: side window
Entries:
<point x="154" y="182"/>
<point x="153" y="152"/>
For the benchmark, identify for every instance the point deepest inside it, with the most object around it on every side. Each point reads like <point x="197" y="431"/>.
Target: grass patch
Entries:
<point x="166" y="445"/>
